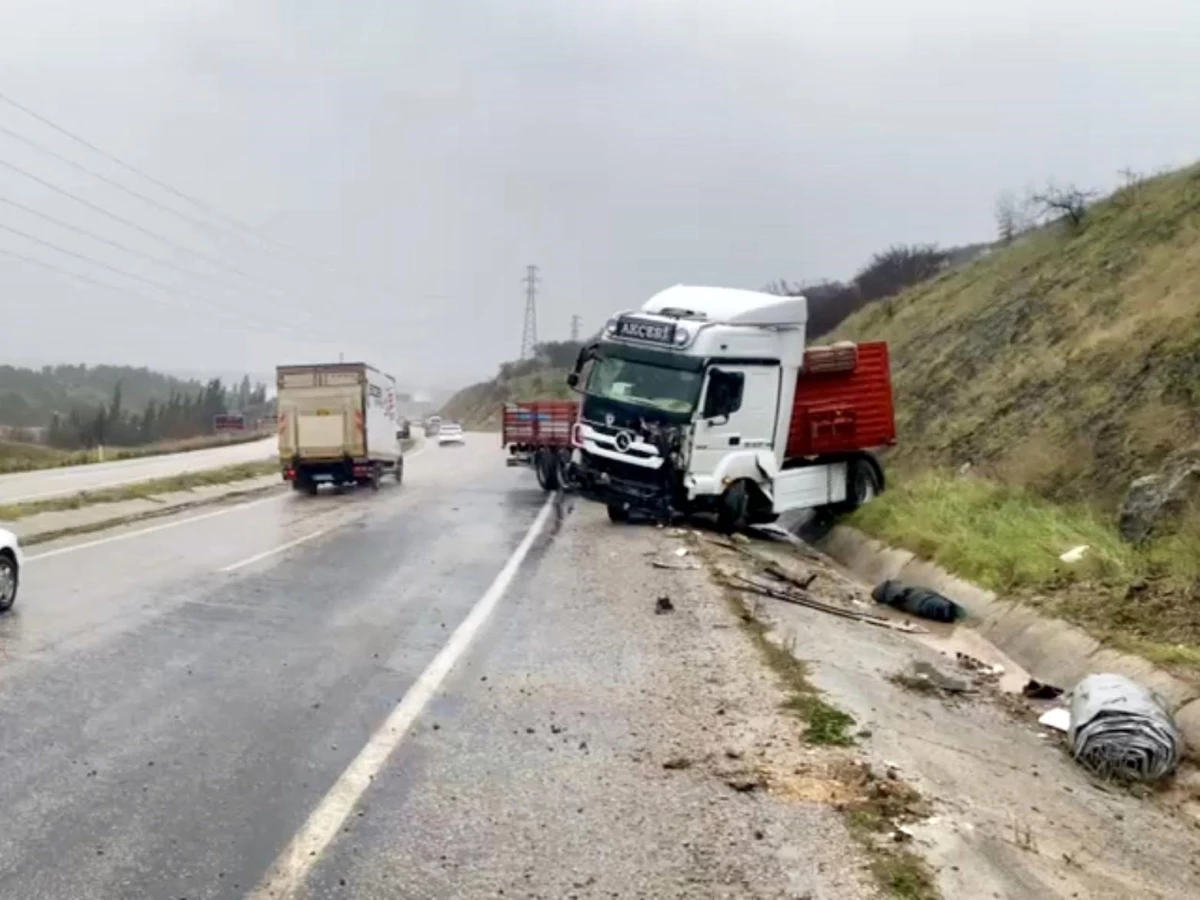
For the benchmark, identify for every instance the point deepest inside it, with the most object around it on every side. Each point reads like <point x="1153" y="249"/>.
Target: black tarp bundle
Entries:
<point x="918" y="601"/>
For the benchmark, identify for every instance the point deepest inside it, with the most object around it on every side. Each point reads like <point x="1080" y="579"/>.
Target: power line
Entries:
<point x="191" y="273"/>
<point x="171" y="291"/>
<point x="122" y="220"/>
<point x="199" y="204"/>
<point x="529" y="331"/>
<point x="195" y="220"/>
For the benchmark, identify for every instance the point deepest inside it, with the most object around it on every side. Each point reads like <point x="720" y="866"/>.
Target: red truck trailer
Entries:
<point x="537" y="434"/>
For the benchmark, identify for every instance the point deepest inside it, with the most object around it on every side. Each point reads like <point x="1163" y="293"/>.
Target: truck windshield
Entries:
<point x="624" y="380"/>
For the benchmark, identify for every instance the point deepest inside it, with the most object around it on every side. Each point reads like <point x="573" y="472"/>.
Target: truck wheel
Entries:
<point x="376" y="476"/>
<point x="618" y="512"/>
<point x="310" y="487"/>
<point x="400" y="471"/>
<point x="547" y="469"/>
<point x="733" y="508"/>
<point x="862" y="485"/>
<point x="566" y="478"/>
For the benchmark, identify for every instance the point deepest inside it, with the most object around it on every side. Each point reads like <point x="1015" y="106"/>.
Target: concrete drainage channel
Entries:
<point x="1053" y="650"/>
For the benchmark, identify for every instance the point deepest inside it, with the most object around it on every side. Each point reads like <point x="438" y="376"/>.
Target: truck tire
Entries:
<point x="309" y="487"/>
<point x="400" y="471"/>
<point x="547" y="470"/>
<point x="733" y="509"/>
<point x="862" y="485"/>
<point x="566" y="478"/>
<point x="618" y="512"/>
<point x="376" y="476"/>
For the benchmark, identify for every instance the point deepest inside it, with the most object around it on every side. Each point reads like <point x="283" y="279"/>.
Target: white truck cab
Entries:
<point x="707" y="399"/>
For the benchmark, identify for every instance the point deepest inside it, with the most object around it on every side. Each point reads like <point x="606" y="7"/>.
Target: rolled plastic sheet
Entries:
<point x="1121" y="730"/>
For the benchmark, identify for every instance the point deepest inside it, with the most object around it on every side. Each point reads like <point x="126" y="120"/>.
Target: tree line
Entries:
<point x="184" y="414"/>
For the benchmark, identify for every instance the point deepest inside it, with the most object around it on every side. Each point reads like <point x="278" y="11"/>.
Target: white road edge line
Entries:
<point x="176" y="523"/>
<point x="289" y="870"/>
<point x="286" y="546"/>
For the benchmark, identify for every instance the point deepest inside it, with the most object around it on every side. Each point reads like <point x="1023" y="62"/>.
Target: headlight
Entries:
<point x="682" y="336"/>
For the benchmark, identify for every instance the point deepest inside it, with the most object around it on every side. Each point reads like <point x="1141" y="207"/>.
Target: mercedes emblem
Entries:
<point x="623" y="440"/>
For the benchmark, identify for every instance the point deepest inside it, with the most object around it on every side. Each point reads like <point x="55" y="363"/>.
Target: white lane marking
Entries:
<point x="286" y="546"/>
<point x="153" y="529"/>
<point x="287" y="873"/>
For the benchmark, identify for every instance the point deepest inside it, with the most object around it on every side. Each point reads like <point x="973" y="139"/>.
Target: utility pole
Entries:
<point x="575" y="328"/>
<point x="529" y="336"/>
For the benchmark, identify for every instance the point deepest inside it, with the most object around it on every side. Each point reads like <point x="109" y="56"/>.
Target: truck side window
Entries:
<point x="724" y="393"/>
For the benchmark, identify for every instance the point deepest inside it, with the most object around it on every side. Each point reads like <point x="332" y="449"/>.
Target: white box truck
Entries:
<point x="338" y="425"/>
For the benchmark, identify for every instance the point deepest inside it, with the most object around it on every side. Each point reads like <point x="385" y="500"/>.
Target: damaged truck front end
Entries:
<point x="631" y="438"/>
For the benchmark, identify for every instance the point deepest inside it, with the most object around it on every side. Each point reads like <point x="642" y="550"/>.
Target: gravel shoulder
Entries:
<point x="1011" y="815"/>
<point x="591" y="747"/>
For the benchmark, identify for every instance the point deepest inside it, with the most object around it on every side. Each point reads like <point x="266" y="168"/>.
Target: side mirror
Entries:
<point x="572" y="379"/>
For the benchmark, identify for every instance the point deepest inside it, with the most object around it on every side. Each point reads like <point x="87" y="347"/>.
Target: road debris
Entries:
<point x="917" y="601"/>
<point x="924" y="677"/>
<point x="663" y="605"/>
<point x="676" y="567"/>
<point x="978" y="667"/>
<point x="1121" y="730"/>
<point x="1058" y="718"/>
<point x="743" y="583"/>
<point x="1036" y="690"/>
<point x="1075" y="554"/>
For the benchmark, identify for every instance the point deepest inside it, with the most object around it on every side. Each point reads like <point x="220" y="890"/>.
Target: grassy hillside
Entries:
<point x="478" y="407"/>
<point x="1068" y="362"/>
<point x="1061" y="367"/>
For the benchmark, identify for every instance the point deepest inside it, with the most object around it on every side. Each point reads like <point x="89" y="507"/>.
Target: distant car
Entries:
<point x="10" y="569"/>
<point x="451" y="434"/>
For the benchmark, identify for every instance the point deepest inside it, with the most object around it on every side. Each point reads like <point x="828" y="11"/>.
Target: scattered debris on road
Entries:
<point x="750" y="585"/>
<point x="663" y="605"/>
<point x="1036" y="690"/>
<point x="924" y="677"/>
<point x="1058" y="718"/>
<point x="1122" y="730"/>
<point x="918" y="601"/>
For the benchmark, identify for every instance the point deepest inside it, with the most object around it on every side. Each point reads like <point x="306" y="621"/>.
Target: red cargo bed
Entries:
<point x="539" y="423"/>
<point x="843" y="401"/>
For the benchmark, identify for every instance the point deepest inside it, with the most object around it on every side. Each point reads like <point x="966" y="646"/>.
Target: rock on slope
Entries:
<point x="1069" y="361"/>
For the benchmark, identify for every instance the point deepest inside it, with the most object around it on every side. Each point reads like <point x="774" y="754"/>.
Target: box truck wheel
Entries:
<point x="376" y="476"/>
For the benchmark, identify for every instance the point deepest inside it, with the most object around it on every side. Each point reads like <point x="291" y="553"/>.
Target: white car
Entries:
<point x="451" y="434"/>
<point x="10" y="569"/>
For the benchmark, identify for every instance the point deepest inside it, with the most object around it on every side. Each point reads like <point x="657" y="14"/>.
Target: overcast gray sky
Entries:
<point x="407" y="159"/>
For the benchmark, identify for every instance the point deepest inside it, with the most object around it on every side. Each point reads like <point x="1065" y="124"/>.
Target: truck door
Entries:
<point x="737" y="412"/>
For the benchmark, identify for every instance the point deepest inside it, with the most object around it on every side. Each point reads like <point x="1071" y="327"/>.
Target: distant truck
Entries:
<point x="338" y="425"/>
<point x="538" y="435"/>
<point x="710" y="400"/>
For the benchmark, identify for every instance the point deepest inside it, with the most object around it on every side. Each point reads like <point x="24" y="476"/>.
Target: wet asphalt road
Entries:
<point x="172" y="708"/>
<point x="42" y="484"/>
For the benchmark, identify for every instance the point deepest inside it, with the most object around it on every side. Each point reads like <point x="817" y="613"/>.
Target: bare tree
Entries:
<point x="1069" y="202"/>
<point x="1007" y="215"/>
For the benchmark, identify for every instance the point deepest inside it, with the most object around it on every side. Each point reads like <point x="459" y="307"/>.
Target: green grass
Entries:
<point x="144" y="490"/>
<point x="824" y="724"/>
<point x="997" y="536"/>
<point x="1139" y="600"/>
<point x="479" y="406"/>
